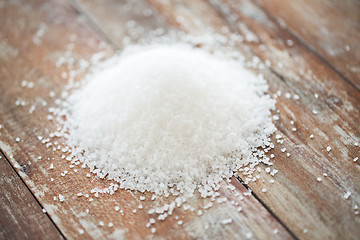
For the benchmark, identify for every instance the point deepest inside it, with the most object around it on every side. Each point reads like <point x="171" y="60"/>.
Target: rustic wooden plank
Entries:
<point x="21" y="215"/>
<point x="305" y="205"/>
<point x="44" y="42"/>
<point x="330" y="28"/>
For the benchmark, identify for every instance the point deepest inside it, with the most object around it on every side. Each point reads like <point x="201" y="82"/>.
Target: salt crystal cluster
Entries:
<point x="169" y="119"/>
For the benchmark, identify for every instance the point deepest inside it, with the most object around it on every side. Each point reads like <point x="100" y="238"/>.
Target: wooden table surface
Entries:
<point x="311" y="49"/>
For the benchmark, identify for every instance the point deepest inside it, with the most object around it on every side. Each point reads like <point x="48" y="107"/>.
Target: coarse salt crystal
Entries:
<point x="347" y="195"/>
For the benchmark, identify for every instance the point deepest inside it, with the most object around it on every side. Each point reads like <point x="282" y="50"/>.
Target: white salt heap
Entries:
<point x="169" y="119"/>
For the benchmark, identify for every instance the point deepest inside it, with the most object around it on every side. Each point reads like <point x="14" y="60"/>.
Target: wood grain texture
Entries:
<point x="45" y="42"/>
<point x="21" y="215"/>
<point x="305" y="205"/>
<point x="330" y="27"/>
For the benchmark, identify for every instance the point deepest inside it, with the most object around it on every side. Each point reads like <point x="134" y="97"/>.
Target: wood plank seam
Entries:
<point x="32" y="194"/>
<point x="305" y="44"/>
<point x="266" y="207"/>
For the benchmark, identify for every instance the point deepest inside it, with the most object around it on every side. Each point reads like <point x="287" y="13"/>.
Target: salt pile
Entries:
<point x="169" y="119"/>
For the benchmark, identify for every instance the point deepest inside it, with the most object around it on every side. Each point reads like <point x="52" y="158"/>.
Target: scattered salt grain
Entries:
<point x="347" y="195"/>
<point x="318" y="179"/>
<point x="17" y="139"/>
<point x="110" y="224"/>
<point x="328" y="148"/>
<point x="180" y="222"/>
<point x="44" y="210"/>
<point x="312" y="136"/>
<point x="314" y="112"/>
<point x="117" y="208"/>
<point x="355" y="159"/>
<point x="226" y="221"/>
<point x="153" y="230"/>
<point x="290" y="42"/>
<point x="81" y="231"/>
<point x="264" y="190"/>
<point x="61" y="198"/>
<point x="101" y="223"/>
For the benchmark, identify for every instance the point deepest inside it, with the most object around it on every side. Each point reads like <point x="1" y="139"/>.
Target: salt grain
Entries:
<point x="347" y="195"/>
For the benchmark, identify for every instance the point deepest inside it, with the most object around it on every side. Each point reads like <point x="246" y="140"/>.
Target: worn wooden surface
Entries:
<point x="329" y="27"/>
<point x="35" y="34"/>
<point x="21" y="215"/>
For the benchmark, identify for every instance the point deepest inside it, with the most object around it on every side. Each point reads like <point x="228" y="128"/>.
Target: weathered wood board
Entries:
<point x="45" y="42"/>
<point x="330" y="28"/>
<point x="21" y="215"/>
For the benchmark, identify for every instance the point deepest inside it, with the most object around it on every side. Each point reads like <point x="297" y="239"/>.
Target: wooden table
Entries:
<point x="311" y="49"/>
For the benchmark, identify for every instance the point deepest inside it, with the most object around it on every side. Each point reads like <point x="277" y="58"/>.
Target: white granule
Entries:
<point x="347" y="195"/>
<point x="170" y="116"/>
<point x="328" y="148"/>
<point x="61" y="198"/>
<point x="226" y="221"/>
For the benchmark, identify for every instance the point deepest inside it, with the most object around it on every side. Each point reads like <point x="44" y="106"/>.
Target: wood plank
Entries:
<point x="44" y="42"/>
<point x="330" y="28"/>
<point x="21" y="215"/>
<point x="305" y="205"/>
